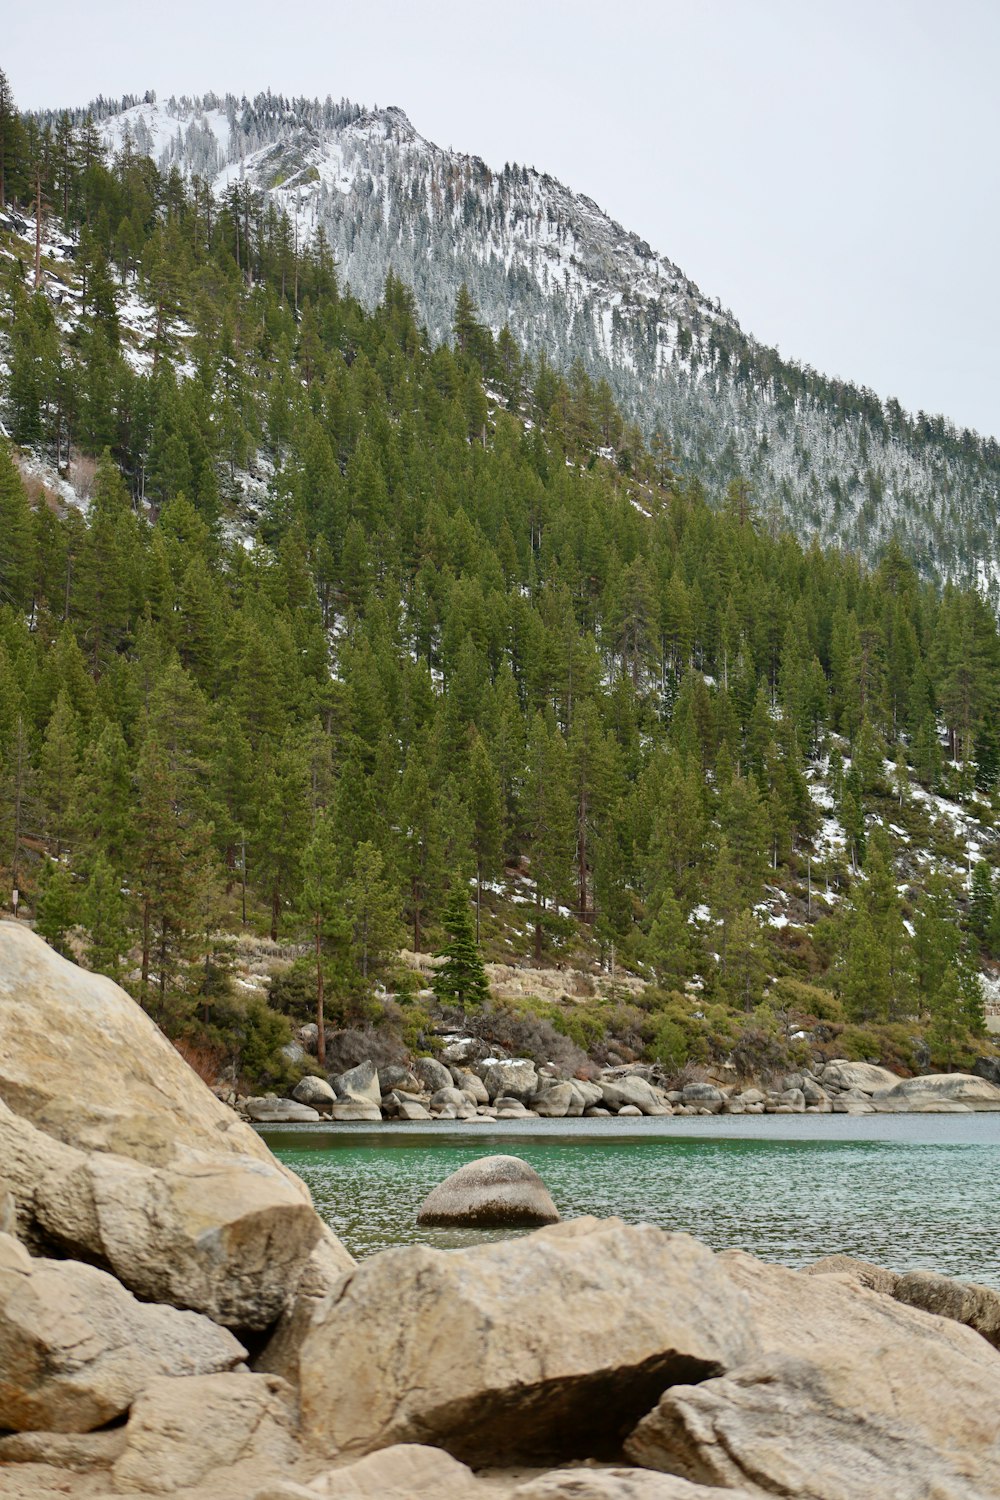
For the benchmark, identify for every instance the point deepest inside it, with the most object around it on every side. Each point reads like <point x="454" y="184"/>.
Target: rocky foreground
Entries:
<point x="175" y="1319"/>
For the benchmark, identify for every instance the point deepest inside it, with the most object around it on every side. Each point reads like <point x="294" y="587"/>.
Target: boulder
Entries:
<point x="516" y="1079"/>
<point x="876" y="1278"/>
<point x="432" y="1074"/>
<point x="355" y="1109"/>
<point x="495" y="1191"/>
<point x="552" y="1343"/>
<point x="847" y="1395"/>
<point x="470" y="1083"/>
<point x="315" y="1092"/>
<point x="270" y="1110"/>
<point x="616" y="1093"/>
<point x="132" y="1093"/>
<point x="703" y="1096"/>
<point x="590" y="1092"/>
<point x="411" y="1109"/>
<point x="503" y="1101"/>
<point x="181" y="1432"/>
<point x="447" y="1096"/>
<point x="407" y="1471"/>
<point x="632" y="1110"/>
<point x="845" y="1106"/>
<point x="813" y="1092"/>
<point x="555" y="1103"/>
<point x="941" y="1088"/>
<point x="319" y="1279"/>
<point x="394" y="1077"/>
<point x="965" y="1302"/>
<point x="867" y="1077"/>
<point x="749" y="1096"/>
<point x="219" y="1234"/>
<point x="619" y="1484"/>
<point x="76" y="1348"/>
<point x="988" y="1068"/>
<point x="359" y="1085"/>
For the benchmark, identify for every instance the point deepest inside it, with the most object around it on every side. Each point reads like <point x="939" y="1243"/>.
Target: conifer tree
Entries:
<point x="461" y="979"/>
<point x="105" y="916"/>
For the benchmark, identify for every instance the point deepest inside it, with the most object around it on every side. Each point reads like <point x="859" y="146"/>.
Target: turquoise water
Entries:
<point x="905" y="1191"/>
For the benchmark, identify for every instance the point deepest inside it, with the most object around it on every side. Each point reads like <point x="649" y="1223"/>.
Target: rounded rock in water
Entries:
<point x="493" y="1192"/>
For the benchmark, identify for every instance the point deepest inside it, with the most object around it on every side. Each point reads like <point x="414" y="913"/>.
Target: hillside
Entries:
<point x="311" y="624"/>
<point x="835" y="459"/>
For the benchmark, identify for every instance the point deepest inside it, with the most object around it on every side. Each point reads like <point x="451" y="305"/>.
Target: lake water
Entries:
<point x="905" y="1191"/>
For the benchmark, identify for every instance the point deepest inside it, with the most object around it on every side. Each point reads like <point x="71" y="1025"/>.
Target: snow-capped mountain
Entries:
<point x="839" y="461"/>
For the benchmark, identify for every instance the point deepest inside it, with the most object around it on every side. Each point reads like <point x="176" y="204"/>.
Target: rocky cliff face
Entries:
<point x="149" y="1244"/>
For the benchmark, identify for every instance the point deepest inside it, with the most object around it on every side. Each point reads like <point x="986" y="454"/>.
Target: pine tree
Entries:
<point x="56" y="909"/>
<point x="372" y="909"/>
<point x="322" y="903"/>
<point x="105" y="916"/>
<point x="486" y="815"/>
<point x="461" y="979"/>
<point x="17" y="552"/>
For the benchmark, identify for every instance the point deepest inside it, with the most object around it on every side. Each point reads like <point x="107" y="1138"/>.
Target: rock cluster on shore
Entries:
<point x="145" y="1349"/>
<point x="461" y="1085"/>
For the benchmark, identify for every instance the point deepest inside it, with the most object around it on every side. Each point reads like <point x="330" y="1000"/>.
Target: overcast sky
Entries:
<point x="828" y="170"/>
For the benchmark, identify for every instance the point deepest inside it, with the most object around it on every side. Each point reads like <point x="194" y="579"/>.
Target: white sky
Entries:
<point x="828" y="169"/>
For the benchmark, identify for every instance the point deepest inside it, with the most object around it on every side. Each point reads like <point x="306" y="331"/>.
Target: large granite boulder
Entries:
<point x="218" y="1234"/>
<point x="76" y="1348"/>
<point x="495" y="1191"/>
<point x="268" y="1109"/>
<point x="118" y="1153"/>
<point x="847" y="1394"/>
<point x="83" y="1062"/>
<point x="513" y="1078"/>
<point x="360" y="1084"/>
<point x="181" y="1433"/>
<point x="867" y="1077"/>
<point x="939" y="1088"/>
<point x="558" y="1102"/>
<point x="538" y="1347"/>
<point x="618" y="1093"/>
<point x="315" y="1092"/>
<point x="432" y="1074"/>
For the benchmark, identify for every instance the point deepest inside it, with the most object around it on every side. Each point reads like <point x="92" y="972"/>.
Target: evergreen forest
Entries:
<point x="353" y="646"/>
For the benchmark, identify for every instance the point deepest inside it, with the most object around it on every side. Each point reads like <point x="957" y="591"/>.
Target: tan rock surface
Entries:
<point x="963" y="1301"/>
<point x="403" y="1472"/>
<point x="83" y="1062"/>
<point x="76" y="1348"/>
<point x="181" y="1432"/>
<point x="849" y="1395"/>
<point x="876" y="1278"/>
<point x="221" y="1234"/>
<point x="525" y="1347"/>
